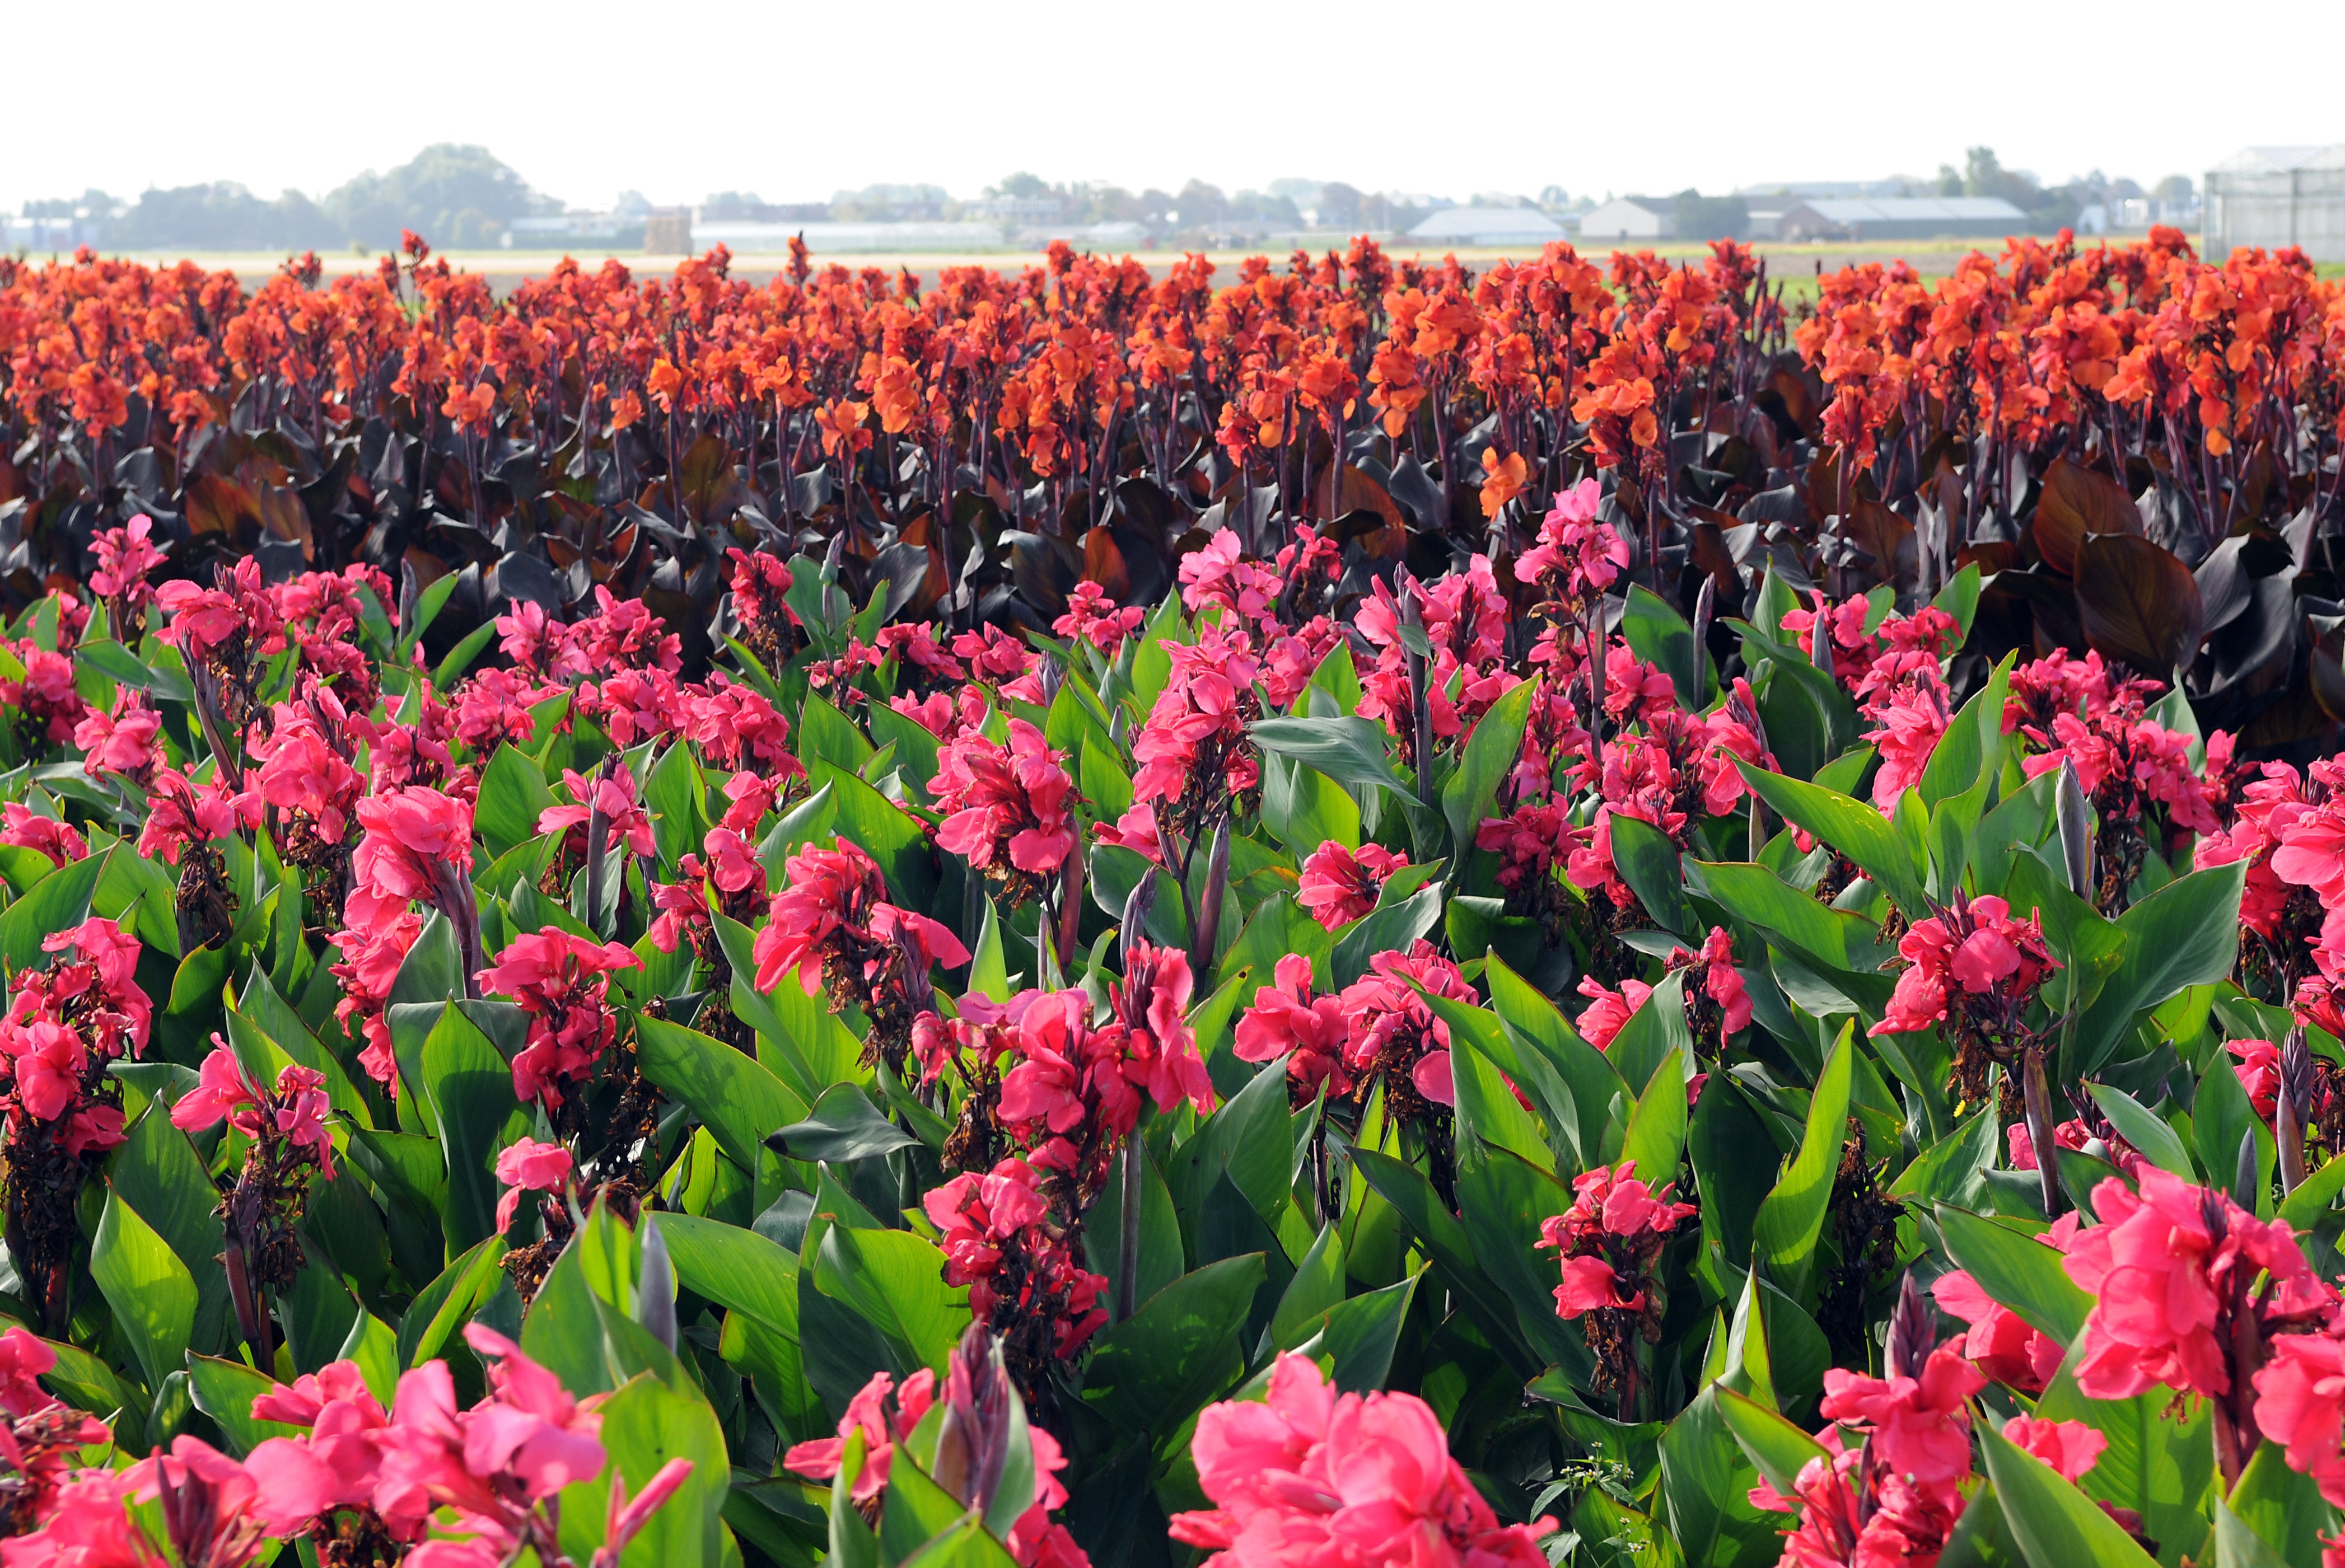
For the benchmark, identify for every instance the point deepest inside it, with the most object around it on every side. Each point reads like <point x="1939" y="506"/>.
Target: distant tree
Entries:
<point x="1021" y="187"/>
<point x="1983" y="175"/>
<point x="91" y="203"/>
<point x="429" y="193"/>
<point x="223" y="216"/>
<point x="1202" y="206"/>
<point x="1554" y="197"/>
<point x="1700" y="216"/>
<point x="2174" y="188"/>
<point x="1339" y="205"/>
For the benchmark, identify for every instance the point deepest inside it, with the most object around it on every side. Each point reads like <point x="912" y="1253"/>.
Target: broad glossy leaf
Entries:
<point x="2185" y="934"/>
<point x="2137" y="603"/>
<point x="2017" y="1270"/>
<point x="645" y="1424"/>
<point x="1490" y="751"/>
<point x="1178" y="1349"/>
<point x="738" y="1101"/>
<point x="1648" y="863"/>
<point x="2075" y="503"/>
<point x="1351" y="751"/>
<point x="2055" y="1525"/>
<point x="843" y="1126"/>
<point x="151" y="1293"/>
<point x="1850" y="826"/>
<point x="895" y="1281"/>
<point x="1791" y="1218"/>
<point x="1777" y="1448"/>
<point x="2146" y="1130"/>
<point x="224" y="1390"/>
<point x="440" y="1308"/>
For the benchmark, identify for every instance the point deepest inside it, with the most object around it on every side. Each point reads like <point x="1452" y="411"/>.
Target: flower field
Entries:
<point x="1357" y="915"/>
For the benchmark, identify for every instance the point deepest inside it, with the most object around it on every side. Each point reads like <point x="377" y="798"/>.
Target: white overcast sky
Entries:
<point x="797" y="100"/>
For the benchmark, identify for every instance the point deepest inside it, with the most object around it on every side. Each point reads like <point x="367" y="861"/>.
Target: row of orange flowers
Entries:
<point x="1061" y="362"/>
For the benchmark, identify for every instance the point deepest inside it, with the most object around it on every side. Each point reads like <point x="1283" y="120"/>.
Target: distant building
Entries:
<point x="1017" y="211"/>
<point x="1902" y="217"/>
<point x="2142" y="211"/>
<point x="1088" y="236"/>
<point x="572" y="230"/>
<point x="1630" y="218"/>
<point x="2276" y="196"/>
<point x="1766" y="216"/>
<point x="667" y="231"/>
<point x="1835" y="189"/>
<point x="59" y="235"/>
<point x="853" y="238"/>
<point x="1488" y="226"/>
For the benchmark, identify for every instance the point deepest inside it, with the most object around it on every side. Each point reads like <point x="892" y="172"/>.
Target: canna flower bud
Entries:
<point x="974" y="1445"/>
<point x="2076" y="831"/>
<point x="2295" y="1107"/>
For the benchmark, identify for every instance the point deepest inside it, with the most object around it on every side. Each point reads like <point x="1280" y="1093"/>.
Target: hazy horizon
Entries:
<point x="798" y="103"/>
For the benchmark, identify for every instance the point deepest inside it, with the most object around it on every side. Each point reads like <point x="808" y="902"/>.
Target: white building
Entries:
<point x="2276" y="196"/>
<point x="851" y="238"/>
<point x="38" y="235"/>
<point x="1492" y="226"/>
<point x="1903" y="218"/>
<point x="1630" y="218"/>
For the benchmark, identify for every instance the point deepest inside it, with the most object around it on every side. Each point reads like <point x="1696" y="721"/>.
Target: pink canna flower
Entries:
<point x="2070" y="1447"/>
<point x="88" y="1526"/>
<point x="2001" y="1343"/>
<point x="1218" y="574"/>
<point x="827" y="894"/>
<point x="529" y="1166"/>
<point x="1576" y="555"/>
<point x="21" y="826"/>
<point x="2301" y="1405"/>
<point x="127" y="557"/>
<point x="1000" y="1240"/>
<point x="1920" y="1425"/>
<point x="1728" y="1007"/>
<point x="1287" y="1019"/>
<point x="625" y="1516"/>
<point x="882" y="1429"/>
<point x="1856" y="1513"/>
<point x="22" y="1359"/>
<point x="1159" y="1050"/>
<point x="49" y="1060"/>
<point x="416" y="840"/>
<point x="1340" y="886"/>
<point x="337" y="1464"/>
<point x="1192" y="750"/>
<point x="1607" y="1011"/>
<point x="562" y="982"/>
<point x="624" y="820"/>
<point x="1093" y="617"/>
<point x="222" y="1091"/>
<point x="369" y="967"/>
<point x="2169" y="1268"/>
<point x="121" y="741"/>
<point x="1315" y="1476"/>
<point x="522" y="1444"/>
<point x="1610" y="1238"/>
<point x="1974" y="963"/>
<point x="832" y="925"/>
<point x="2257" y="1068"/>
<point x="1389" y="1029"/>
<point x="1005" y="807"/>
<point x="1912" y="717"/>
